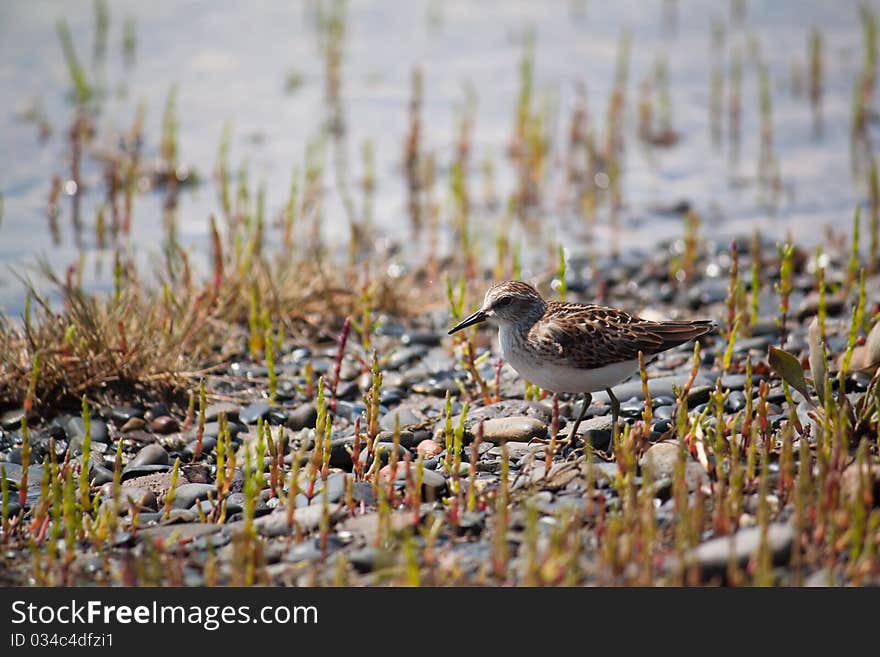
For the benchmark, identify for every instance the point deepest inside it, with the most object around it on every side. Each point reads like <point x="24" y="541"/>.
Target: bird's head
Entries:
<point x="508" y="302"/>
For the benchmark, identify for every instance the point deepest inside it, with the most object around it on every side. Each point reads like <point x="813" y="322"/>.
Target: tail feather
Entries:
<point x="675" y="333"/>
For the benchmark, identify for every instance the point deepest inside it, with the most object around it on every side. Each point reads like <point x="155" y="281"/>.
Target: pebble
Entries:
<point x="405" y="415"/>
<point x="433" y="485"/>
<point x="502" y="409"/>
<point x="738" y="381"/>
<point x="406" y="355"/>
<point x="130" y="472"/>
<point x="212" y="429"/>
<point x="659" y="461"/>
<point x="12" y="419"/>
<point x="515" y="428"/>
<point x="340" y="456"/>
<point x="868" y="480"/>
<point x="250" y="414"/>
<point x="98" y="430"/>
<point x="159" y="409"/>
<point x="178" y="532"/>
<point x="305" y="551"/>
<point x="714" y="555"/>
<point x="123" y="414"/>
<point x="164" y="424"/>
<point x="428" y="449"/>
<point x="302" y="417"/>
<point x="664" y="412"/>
<point x="632" y="407"/>
<point x="277" y="416"/>
<point x="362" y="491"/>
<point x="13" y="473"/>
<point x="208" y="445"/>
<point x="186" y="495"/>
<point x="406" y="438"/>
<point x="152" y="454"/>
<point x="99" y="475"/>
<point x="335" y="490"/>
<point x="427" y="338"/>
<point x="383" y="450"/>
<point x="736" y="401"/>
<point x="213" y="411"/>
<point x="364" y="560"/>
<point x="133" y="424"/>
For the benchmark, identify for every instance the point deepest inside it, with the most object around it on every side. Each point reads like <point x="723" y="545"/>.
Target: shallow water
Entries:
<point x="231" y="59"/>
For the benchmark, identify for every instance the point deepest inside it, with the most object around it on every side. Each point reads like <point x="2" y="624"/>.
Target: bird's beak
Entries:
<point x="476" y="318"/>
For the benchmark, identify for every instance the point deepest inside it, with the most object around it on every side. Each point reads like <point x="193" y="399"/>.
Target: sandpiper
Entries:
<point x="573" y="347"/>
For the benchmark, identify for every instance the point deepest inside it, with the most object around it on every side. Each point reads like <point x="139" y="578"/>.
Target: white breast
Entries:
<point x="559" y="378"/>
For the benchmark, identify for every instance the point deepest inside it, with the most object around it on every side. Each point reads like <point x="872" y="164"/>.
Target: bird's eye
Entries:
<point x="503" y="301"/>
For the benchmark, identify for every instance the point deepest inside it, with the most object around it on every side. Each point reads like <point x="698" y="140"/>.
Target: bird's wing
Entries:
<point x="593" y="336"/>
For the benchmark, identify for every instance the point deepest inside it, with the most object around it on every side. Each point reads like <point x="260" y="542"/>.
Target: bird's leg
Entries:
<point x="615" y="414"/>
<point x="588" y="399"/>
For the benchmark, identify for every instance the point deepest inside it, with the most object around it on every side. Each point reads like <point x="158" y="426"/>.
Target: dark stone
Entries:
<point x="159" y="409"/>
<point x="599" y="438"/>
<point x="13" y="474"/>
<point x="714" y="555"/>
<point x="302" y="417"/>
<point x="235" y="503"/>
<point x="164" y="424"/>
<point x="76" y="428"/>
<point x="335" y="490"/>
<point x="632" y="407"/>
<point x="662" y="425"/>
<point x="188" y="494"/>
<point x="383" y="450"/>
<point x="391" y="397"/>
<point x="143" y="470"/>
<point x="738" y="381"/>
<point x="153" y="454"/>
<point x="208" y="445"/>
<point x="362" y="491"/>
<point x="250" y="414"/>
<point x="12" y="419"/>
<point x="123" y="414"/>
<point x="433" y="485"/>
<point x="277" y="416"/>
<point x="663" y="412"/>
<point x="348" y="390"/>
<point x="471" y="523"/>
<point x="427" y="338"/>
<point x="305" y="551"/>
<point x="213" y="411"/>
<point x="406" y="355"/>
<point x="99" y="475"/>
<point x="406" y="438"/>
<point x="364" y="560"/>
<point x="340" y="456"/>
<point x="212" y="429"/>
<point x="736" y="401"/>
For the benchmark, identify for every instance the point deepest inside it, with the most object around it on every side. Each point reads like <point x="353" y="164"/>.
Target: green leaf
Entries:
<point x="788" y="367"/>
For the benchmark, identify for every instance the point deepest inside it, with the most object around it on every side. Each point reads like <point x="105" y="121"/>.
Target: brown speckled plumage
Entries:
<point x="589" y="336"/>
